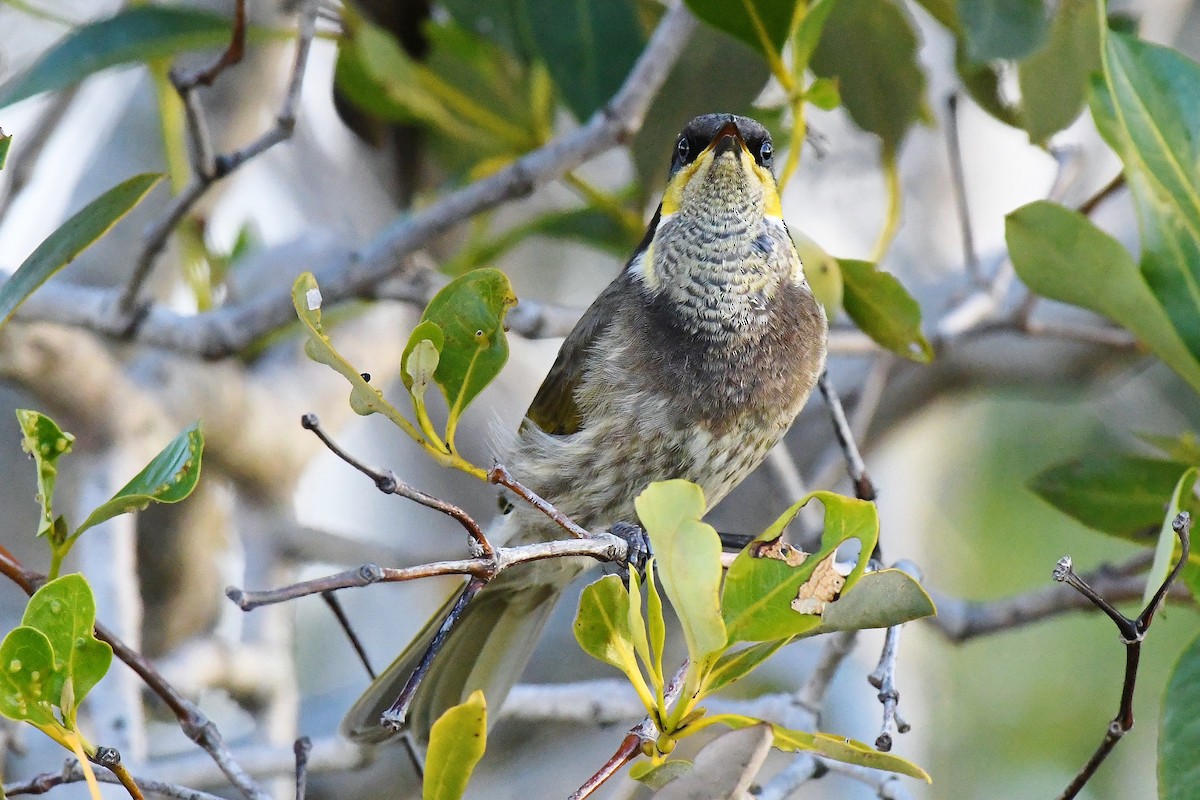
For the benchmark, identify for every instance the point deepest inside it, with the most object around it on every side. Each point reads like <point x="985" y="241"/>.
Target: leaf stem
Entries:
<point x="77" y="747"/>
<point x="891" y="175"/>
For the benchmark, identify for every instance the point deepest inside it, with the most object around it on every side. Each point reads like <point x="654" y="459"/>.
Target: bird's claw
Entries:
<point x="638" y="546"/>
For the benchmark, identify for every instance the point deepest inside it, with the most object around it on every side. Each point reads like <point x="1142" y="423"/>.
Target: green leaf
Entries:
<point x="983" y="83"/>
<point x="1001" y="29"/>
<point x="1182" y="498"/>
<point x="588" y="47"/>
<point x="884" y="310"/>
<point x="870" y="48"/>
<point x="688" y="553"/>
<point x="1054" y="80"/>
<point x="602" y="624"/>
<point x="764" y="583"/>
<point x="733" y="665"/>
<point x="847" y="751"/>
<point x="65" y="611"/>
<point x="1114" y="493"/>
<point x="1179" y="729"/>
<point x="823" y="93"/>
<point x="428" y="333"/>
<point x="879" y="600"/>
<point x="808" y="33"/>
<point x="1061" y="255"/>
<point x="29" y="684"/>
<point x="5" y="141"/>
<point x="1184" y="448"/>
<point x="1147" y="109"/>
<point x="140" y="33"/>
<point x="456" y="743"/>
<point x="656" y="776"/>
<point x="944" y="11"/>
<point x="822" y="271"/>
<point x="637" y="624"/>
<point x="44" y="441"/>
<point x="71" y="239"/>
<point x="744" y="19"/>
<point x="168" y="478"/>
<point x="470" y="311"/>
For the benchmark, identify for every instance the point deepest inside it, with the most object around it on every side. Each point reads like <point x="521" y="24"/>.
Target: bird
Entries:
<point x="691" y="364"/>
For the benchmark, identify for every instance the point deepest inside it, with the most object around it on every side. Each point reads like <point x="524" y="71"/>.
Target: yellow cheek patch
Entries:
<point x="771" y="204"/>
<point x="673" y="197"/>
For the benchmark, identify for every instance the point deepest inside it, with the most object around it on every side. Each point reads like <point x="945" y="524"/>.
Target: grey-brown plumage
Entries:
<point x="691" y="364"/>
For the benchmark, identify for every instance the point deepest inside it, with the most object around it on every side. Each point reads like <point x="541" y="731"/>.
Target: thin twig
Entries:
<point x="71" y="773"/>
<point x="1133" y="631"/>
<point x="31" y="142"/>
<point x="883" y="678"/>
<point x="1089" y="206"/>
<point x="303" y="748"/>
<point x="864" y="489"/>
<point x="339" y="614"/>
<point x="500" y="476"/>
<point x="231" y="55"/>
<point x="959" y="182"/>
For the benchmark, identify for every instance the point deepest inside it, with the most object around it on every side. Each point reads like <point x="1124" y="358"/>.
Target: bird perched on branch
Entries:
<point x="691" y="364"/>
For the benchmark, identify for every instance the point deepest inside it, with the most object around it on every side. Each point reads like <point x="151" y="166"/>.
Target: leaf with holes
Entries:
<point x="72" y="238"/>
<point x="168" y="478"/>
<point x="883" y="309"/>
<point x="45" y="442"/>
<point x="65" y="611"/>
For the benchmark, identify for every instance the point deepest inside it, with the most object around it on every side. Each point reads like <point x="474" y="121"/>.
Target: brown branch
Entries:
<point x="71" y="773"/>
<point x="232" y="55"/>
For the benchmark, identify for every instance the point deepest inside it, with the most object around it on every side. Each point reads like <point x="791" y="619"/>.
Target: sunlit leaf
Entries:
<point x="847" y="751"/>
<point x="29" y="684"/>
<point x="70" y="239"/>
<point x="602" y="623"/>
<point x="45" y="442"/>
<point x="1179" y="730"/>
<point x="65" y="611"/>
<point x="456" y="743"/>
<point x="1001" y="29"/>
<point x="883" y="309"/>
<point x="1114" y="493"/>
<point x="688" y="554"/>
<point x="748" y="20"/>
<point x="870" y="48"/>
<point x="823" y="272"/>
<point x="1061" y="255"/>
<point x="137" y="34"/>
<point x="168" y="478"/>
<point x="1181" y="498"/>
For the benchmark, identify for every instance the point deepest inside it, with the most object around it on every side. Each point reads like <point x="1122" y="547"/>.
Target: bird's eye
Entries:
<point x="765" y="152"/>
<point x="683" y="148"/>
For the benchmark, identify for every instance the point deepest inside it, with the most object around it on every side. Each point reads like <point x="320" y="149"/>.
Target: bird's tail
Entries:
<point x="487" y="649"/>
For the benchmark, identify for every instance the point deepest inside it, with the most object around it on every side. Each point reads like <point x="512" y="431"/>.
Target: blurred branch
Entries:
<point x="71" y="773"/>
<point x="30" y="144"/>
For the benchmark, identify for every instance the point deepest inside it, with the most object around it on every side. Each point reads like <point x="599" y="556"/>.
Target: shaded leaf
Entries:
<point x="602" y="624"/>
<point x="1184" y="448"/>
<point x="1061" y="255"/>
<point x="745" y="19"/>
<point x="870" y="48"/>
<point x="944" y="11"/>
<point x="725" y="767"/>
<point x="425" y="331"/>
<point x="168" y="478"/>
<point x="1182" y="497"/>
<point x="688" y="553"/>
<point x="70" y="239"/>
<point x="808" y="33"/>
<point x="883" y="309"/>
<point x="588" y="47"/>
<point x="456" y="743"/>
<point x="1054" y="80"/>
<point x="470" y="311"/>
<point x="733" y="665"/>
<point x="1179" y="729"/>
<point x="137" y="34"/>
<point x="879" y="600"/>
<point x="5" y="141"/>
<point x="65" y="611"/>
<point x="44" y="441"/>
<point x="1114" y="493"/>
<point x="1001" y="29"/>
<point x="29" y="684"/>
<point x="763" y="581"/>
<point x="656" y="776"/>
<point x="1146" y="107"/>
<point x="983" y="83"/>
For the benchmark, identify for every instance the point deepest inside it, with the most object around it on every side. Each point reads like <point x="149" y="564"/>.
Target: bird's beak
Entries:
<point x="727" y="140"/>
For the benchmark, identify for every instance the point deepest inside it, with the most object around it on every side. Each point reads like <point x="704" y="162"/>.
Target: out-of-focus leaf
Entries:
<point x="602" y="624"/>
<point x="870" y="48"/>
<point x="692" y="89"/>
<point x="1001" y="29"/>
<point x="1054" y="80"/>
<point x="589" y="226"/>
<point x="944" y="11"/>
<point x="1179" y="730"/>
<point x="1114" y="493"/>
<point x="29" y="684"/>
<point x="1184" y="448"/>
<point x="1061" y="255"/>
<point x="71" y="239"/>
<point x="456" y="743"/>
<point x="745" y="18"/>
<point x="5" y="141"/>
<point x="1182" y="498"/>
<point x="45" y="442"/>
<point x="656" y="776"/>
<point x="65" y="611"/>
<point x="808" y="33"/>
<point x="823" y="272"/>
<point x="883" y="309"/>
<point x="588" y="47"/>
<point x="168" y="478"/>
<point x="879" y="600"/>
<point x="823" y="93"/>
<point x="139" y="33"/>
<point x="725" y="767"/>
<point x="470" y="311"/>
<point x="765" y="580"/>
<point x="983" y="83"/>
<point x="688" y="553"/>
<point x="1147" y="108"/>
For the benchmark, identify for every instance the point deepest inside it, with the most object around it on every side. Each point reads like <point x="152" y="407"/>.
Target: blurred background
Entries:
<point x="951" y="444"/>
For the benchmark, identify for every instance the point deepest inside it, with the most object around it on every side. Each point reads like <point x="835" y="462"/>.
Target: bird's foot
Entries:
<point x="638" y="552"/>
